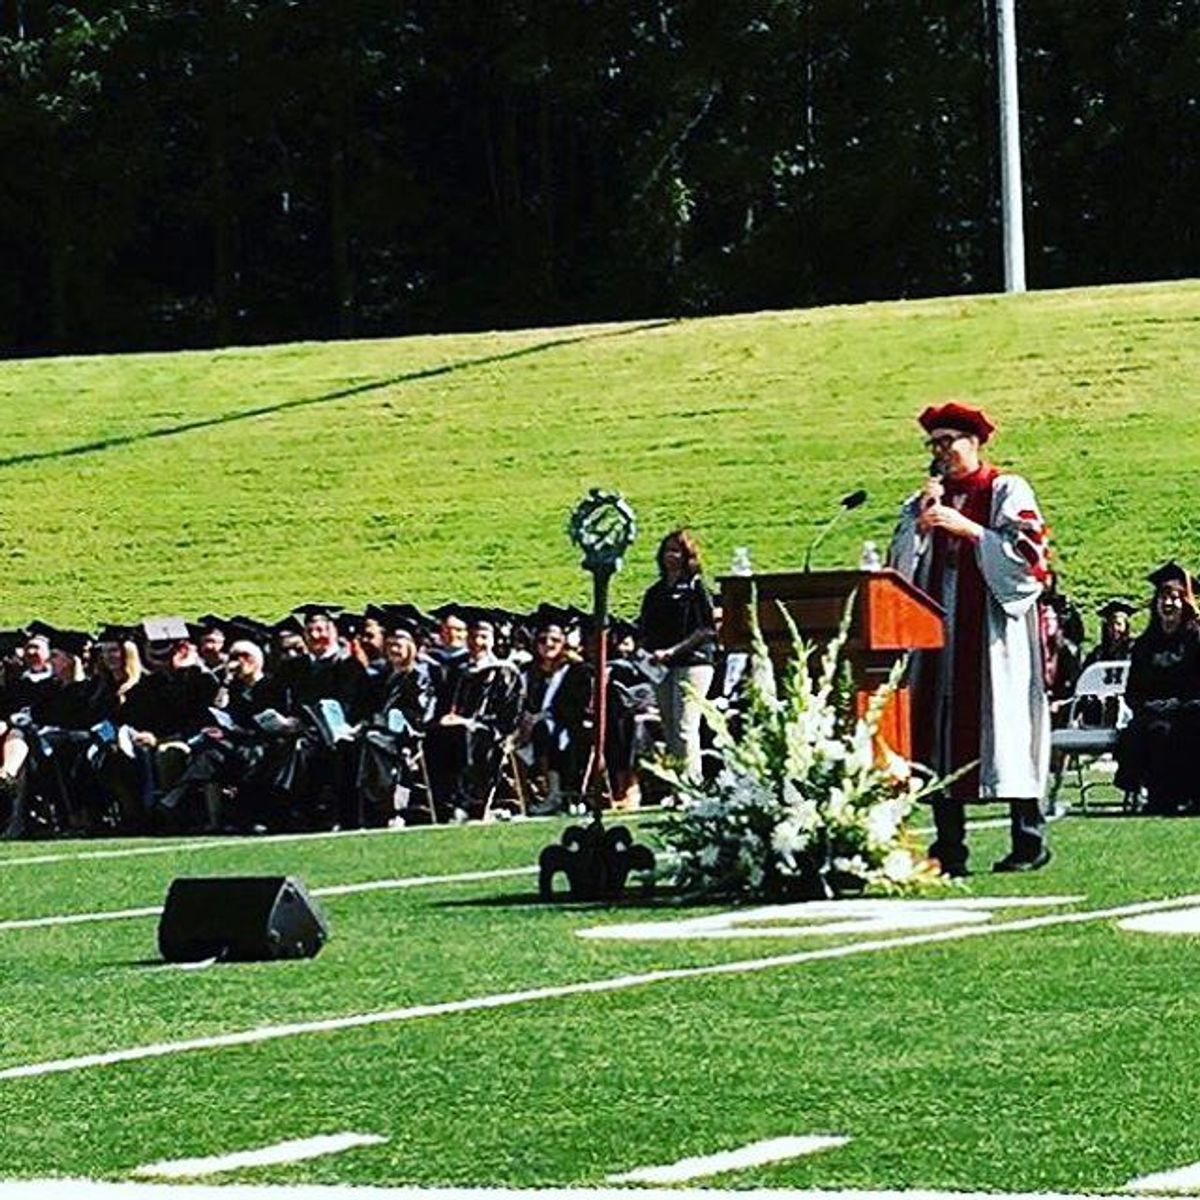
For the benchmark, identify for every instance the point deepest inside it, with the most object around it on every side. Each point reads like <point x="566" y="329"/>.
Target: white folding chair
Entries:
<point x="1095" y="713"/>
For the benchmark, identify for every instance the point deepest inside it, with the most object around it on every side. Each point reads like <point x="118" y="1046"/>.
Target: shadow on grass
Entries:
<point x="264" y="410"/>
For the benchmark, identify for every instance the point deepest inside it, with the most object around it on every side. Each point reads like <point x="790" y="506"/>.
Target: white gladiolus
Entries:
<point x="883" y="822"/>
<point x="898" y="866"/>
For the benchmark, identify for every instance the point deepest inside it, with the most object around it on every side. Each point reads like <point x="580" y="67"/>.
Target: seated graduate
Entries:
<point x="224" y="784"/>
<point x="447" y="655"/>
<point x="1116" y="633"/>
<point x="167" y="707"/>
<point x="1062" y="643"/>
<point x="24" y="705"/>
<point x="552" y="735"/>
<point x="464" y="744"/>
<point x="389" y="741"/>
<point x="1157" y="749"/>
<point x="633" y="719"/>
<point x="322" y="694"/>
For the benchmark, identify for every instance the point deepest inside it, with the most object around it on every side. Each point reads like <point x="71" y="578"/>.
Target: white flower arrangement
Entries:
<point x="809" y="802"/>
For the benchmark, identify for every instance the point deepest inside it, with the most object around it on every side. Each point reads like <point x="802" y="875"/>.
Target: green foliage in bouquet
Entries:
<point x="809" y="803"/>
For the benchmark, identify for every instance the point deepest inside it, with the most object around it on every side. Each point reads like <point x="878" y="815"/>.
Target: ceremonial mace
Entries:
<point x="595" y="860"/>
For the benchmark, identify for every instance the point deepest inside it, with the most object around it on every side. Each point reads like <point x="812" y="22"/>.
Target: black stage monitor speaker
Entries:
<point x="240" y="919"/>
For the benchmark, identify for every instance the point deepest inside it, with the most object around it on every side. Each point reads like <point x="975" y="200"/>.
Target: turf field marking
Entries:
<point x="823" y="918"/>
<point x="1180" y="1179"/>
<point x="338" y="889"/>
<point x="756" y="1154"/>
<point x="268" y="1033"/>
<point x="184" y="845"/>
<point x="1183" y="921"/>
<point x="297" y="1150"/>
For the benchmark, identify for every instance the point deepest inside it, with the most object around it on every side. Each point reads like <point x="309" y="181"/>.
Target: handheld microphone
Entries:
<point x="853" y="500"/>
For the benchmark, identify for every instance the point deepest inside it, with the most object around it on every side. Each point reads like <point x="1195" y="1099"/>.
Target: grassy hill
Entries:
<point x="439" y="467"/>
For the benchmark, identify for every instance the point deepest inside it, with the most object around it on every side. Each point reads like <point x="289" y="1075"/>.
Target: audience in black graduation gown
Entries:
<point x="552" y="735"/>
<point x="388" y="773"/>
<point x="1156" y="752"/>
<point x="465" y="743"/>
<point x="309" y="765"/>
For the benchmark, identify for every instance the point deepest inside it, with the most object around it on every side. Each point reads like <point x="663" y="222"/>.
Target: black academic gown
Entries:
<point x="314" y="777"/>
<point x="1159" y="749"/>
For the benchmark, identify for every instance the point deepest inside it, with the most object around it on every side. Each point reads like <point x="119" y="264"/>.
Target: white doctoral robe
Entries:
<point x="1014" y="752"/>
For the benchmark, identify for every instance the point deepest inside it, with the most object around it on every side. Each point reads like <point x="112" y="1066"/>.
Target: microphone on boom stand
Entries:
<point x="853" y="500"/>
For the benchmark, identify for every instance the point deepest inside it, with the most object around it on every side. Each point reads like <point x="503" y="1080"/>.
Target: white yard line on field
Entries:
<point x="268" y="1033"/>
<point x="756" y="1154"/>
<point x="230" y="841"/>
<point x="1181" y="1179"/>
<point x="297" y="1150"/>
<point x="338" y="889"/>
<point x="185" y="845"/>
<point x="93" y="1189"/>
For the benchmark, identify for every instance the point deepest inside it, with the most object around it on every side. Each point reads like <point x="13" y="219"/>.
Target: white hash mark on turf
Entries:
<point x="1181" y="1179"/>
<point x="266" y="1156"/>
<point x="616" y="983"/>
<point x="339" y="889"/>
<point x="824" y="918"/>
<point x="1186" y="921"/>
<point x="757" y="1154"/>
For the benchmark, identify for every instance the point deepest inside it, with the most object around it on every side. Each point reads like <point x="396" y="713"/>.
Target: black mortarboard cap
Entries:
<point x="40" y="629"/>
<point x="196" y="630"/>
<point x="241" y="627"/>
<point x="549" y="614"/>
<point x="622" y="628"/>
<point x="211" y="621"/>
<point x="349" y="624"/>
<point x="452" y="608"/>
<point x="118" y="633"/>
<point x="72" y="641"/>
<point x="1169" y="572"/>
<point x="1109" y="607"/>
<point x="314" y="608"/>
<point x="292" y="623"/>
<point x="403" y="616"/>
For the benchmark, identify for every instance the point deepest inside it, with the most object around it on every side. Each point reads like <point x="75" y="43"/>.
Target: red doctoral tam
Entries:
<point x="957" y="416"/>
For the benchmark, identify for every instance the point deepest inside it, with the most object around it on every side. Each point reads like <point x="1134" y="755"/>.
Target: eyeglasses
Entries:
<point x="943" y="441"/>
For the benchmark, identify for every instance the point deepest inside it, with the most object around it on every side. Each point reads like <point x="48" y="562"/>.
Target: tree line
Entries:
<point x="200" y="172"/>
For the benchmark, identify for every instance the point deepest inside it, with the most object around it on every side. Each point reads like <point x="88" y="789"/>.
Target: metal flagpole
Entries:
<point x="1012" y="211"/>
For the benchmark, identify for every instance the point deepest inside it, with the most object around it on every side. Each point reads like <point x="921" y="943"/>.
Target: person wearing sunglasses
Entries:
<point x="974" y="539"/>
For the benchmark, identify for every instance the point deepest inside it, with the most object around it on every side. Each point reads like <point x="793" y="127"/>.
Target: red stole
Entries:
<point x="972" y="496"/>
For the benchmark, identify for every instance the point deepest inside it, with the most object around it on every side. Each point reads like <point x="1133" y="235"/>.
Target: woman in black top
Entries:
<point x="1157" y="748"/>
<point x="678" y="631"/>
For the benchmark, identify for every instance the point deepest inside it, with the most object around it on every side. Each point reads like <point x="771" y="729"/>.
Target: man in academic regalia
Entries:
<point x="974" y="539"/>
<point x="310" y="765"/>
<point x="228" y="755"/>
<point x="464" y="744"/>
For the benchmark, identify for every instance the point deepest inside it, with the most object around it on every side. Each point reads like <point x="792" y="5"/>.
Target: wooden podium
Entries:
<point x="890" y="616"/>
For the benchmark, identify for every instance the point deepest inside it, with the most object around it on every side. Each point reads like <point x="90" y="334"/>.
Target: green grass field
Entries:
<point x="1053" y="1057"/>
<point x="1039" y="1048"/>
<point x="444" y="467"/>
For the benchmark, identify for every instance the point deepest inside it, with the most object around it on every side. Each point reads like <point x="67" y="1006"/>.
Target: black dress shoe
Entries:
<point x="1022" y="862"/>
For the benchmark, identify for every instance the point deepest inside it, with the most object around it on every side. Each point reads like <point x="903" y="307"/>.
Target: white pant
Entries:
<point x="680" y="712"/>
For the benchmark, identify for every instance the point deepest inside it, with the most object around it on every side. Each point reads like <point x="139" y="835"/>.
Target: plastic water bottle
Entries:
<point x="870" y="560"/>
<point x="741" y="561"/>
